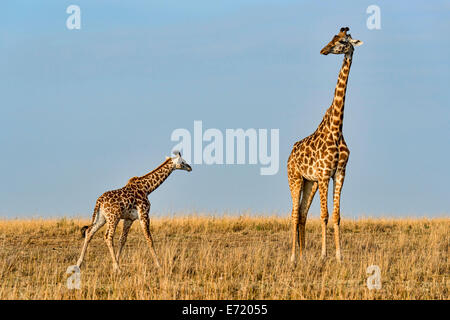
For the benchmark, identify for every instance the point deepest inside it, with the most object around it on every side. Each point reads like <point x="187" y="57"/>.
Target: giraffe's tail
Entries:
<point x="83" y="231"/>
<point x="94" y="216"/>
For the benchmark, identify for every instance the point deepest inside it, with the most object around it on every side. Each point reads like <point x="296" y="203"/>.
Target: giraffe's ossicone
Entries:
<point x="129" y="203"/>
<point x="322" y="156"/>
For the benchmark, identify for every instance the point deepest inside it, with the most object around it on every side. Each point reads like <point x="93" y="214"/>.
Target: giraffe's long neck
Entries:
<point x="337" y="107"/>
<point x="155" y="178"/>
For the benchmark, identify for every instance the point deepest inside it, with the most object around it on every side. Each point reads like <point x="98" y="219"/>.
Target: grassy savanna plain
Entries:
<point x="242" y="257"/>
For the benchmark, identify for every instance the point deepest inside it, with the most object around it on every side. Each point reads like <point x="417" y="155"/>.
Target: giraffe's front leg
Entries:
<point x="143" y="211"/>
<point x="323" y="192"/>
<point x="338" y="183"/>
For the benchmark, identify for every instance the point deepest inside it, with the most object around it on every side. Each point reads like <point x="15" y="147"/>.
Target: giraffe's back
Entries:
<point x="119" y="202"/>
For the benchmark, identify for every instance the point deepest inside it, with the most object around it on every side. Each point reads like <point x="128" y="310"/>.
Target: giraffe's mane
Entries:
<point x="159" y="167"/>
<point x="134" y="179"/>
<point x="325" y="119"/>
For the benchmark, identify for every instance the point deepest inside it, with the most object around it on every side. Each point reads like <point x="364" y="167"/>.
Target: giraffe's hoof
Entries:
<point x="158" y="265"/>
<point x="292" y="265"/>
<point x="293" y="259"/>
<point x="302" y="258"/>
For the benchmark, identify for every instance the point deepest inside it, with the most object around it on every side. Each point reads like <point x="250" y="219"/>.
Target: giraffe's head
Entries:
<point x="342" y="43"/>
<point x="179" y="163"/>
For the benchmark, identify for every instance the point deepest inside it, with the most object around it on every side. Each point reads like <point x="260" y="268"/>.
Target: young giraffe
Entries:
<point x="129" y="203"/>
<point x="321" y="156"/>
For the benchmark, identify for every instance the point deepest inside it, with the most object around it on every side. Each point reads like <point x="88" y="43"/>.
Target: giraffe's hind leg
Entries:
<point x="309" y="190"/>
<point x="295" y="184"/>
<point x="99" y="222"/>
<point x="113" y="221"/>
<point x="123" y="237"/>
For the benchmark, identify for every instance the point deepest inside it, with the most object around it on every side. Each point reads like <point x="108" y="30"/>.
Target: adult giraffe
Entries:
<point x="321" y="156"/>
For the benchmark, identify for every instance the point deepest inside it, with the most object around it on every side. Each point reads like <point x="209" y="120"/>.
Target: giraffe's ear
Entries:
<point x="167" y="158"/>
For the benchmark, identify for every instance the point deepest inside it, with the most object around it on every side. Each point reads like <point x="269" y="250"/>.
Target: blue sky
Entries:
<point x="82" y="111"/>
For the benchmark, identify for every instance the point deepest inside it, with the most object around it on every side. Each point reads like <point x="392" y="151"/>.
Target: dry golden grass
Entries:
<point x="227" y="258"/>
